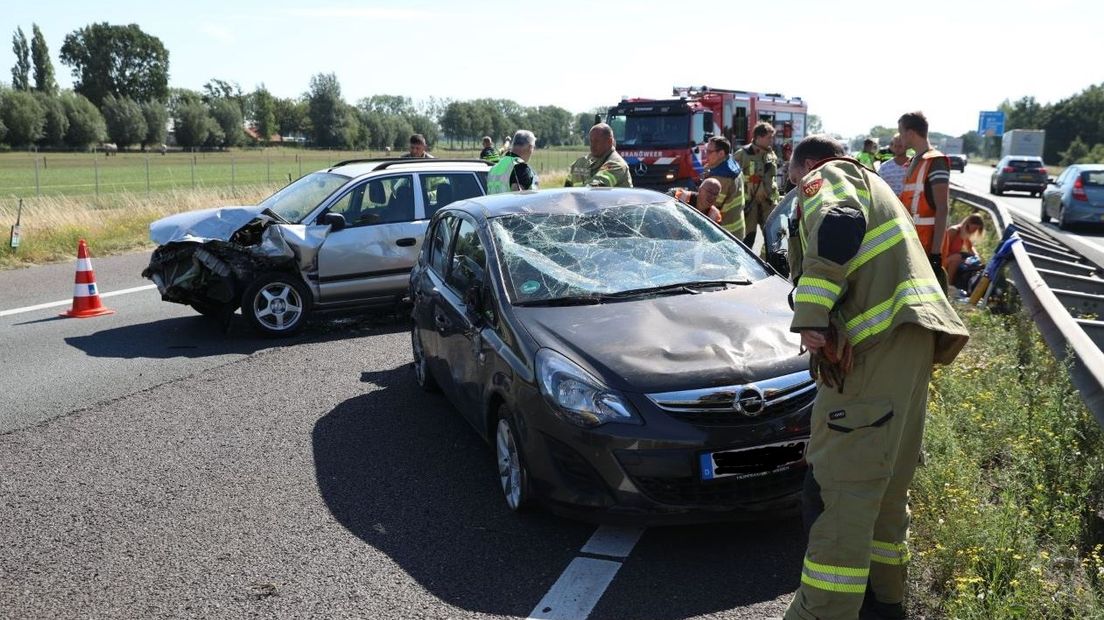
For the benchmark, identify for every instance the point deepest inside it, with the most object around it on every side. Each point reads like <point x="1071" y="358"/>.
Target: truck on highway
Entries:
<point x="1023" y="142"/>
<point x="952" y="146"/>
<point x="663" y="140"/>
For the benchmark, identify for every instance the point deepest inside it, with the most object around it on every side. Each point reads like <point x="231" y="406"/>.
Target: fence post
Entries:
<point x="233" y="178"/>
<point x="147" y="177"/>
<point x="300" y="166"/>
<point x="193" y="170"/>
<point x="38" y="186"/>
<point x="96" y="166"/>
<point x="268" y="168"/>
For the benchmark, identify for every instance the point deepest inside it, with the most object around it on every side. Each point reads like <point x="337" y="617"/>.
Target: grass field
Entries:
<point x="28" y="175"/>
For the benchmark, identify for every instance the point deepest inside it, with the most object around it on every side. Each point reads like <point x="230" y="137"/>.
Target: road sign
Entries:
<point x="991" y="123"/>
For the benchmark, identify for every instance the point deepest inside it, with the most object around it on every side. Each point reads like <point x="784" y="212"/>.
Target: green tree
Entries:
<point x="1076" y="153"/>
<point x="388" y="104"/>
<point x="228" y="116"/>
<point x="43" y="67"/>
<point x="814" y="125"/>
<point x="117" y="60"/>
<point x="157" y="120"/>
<point x="57" y="123"/>
<point x="23" y="116"/>
<point x="292" y="116"/>
<point x="456" y="122"/>
<point x="971" y="143"/>
<point x="126" y="124"/>
<point x="327" y="110"/>
<point x="263" y="113"/>
<point x="192" y="124"/>
<point x="86" y="123"/>
<point x="425" y="126"/>
<point x="22" y="68"/>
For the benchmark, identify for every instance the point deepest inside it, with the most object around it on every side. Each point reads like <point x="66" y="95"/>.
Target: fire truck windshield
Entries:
<point x="652" y="130"/>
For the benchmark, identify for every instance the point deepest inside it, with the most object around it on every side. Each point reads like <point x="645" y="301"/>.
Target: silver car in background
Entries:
<point x="343" y="237"/>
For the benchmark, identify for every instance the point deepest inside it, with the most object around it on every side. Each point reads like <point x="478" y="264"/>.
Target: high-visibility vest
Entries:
<point x="498" y="179"/>
<point x="915" y="200"/>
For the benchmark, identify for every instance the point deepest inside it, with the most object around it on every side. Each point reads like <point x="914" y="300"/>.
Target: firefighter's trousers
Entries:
<point x="864" y="449"/>
<point x="755" y="216"/>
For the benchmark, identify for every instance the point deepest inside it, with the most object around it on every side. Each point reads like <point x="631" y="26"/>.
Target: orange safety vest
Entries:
<point x="916" y="201"/>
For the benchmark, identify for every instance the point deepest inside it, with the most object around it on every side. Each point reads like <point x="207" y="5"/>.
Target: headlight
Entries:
<point x="578" y="397"/>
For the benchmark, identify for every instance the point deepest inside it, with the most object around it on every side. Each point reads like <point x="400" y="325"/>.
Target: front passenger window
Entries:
<point x="468" y="260"/>
<point x="439" y="246"/>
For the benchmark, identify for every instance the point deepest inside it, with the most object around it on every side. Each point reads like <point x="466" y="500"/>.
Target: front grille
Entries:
<point x="737" y="405"/>
<point x="689" y="491"/>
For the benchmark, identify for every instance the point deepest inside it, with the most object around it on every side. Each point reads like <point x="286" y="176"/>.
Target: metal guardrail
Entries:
<point x="1059" y="286"/>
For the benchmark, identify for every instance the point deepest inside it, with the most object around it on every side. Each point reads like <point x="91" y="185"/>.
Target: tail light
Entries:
<point x="1079" y="191"/>
<point x="1008" y="169"/>
<point x="1041" y="169"/>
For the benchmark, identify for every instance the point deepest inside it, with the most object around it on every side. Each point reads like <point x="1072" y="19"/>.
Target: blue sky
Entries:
<point x="849" y="60"/>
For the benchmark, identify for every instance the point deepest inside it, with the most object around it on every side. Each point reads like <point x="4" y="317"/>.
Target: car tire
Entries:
<point x="513" y="476"/>
<point x="422" y="374"/>
<point x="276" y="304"/>
<point x="1062" y="223"/>
<point x="992" y="187"/>
<point x="1044" y="217"/>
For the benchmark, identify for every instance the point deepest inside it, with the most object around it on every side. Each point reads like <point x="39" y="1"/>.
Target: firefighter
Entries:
<point x="868" y="156"/>
<point x="927" y="188"/>
<point x="760" y="167"/>
<point x="604" y="167"/>
<point x="512" y="172"/>
<point x="875" y="320"/>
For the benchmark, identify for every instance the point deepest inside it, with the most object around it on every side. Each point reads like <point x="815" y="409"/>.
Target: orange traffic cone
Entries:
<point x="86" y="297"/>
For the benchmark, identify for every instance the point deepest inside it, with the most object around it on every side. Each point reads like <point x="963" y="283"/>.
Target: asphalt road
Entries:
<point x="153" y="466"/>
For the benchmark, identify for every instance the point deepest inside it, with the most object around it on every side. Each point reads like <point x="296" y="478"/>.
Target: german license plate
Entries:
<point x="752" y="462"/>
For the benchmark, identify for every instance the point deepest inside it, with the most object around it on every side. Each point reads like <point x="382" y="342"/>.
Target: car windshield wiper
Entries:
<point x="682" y="287"/>
<point x="276" y="215"/>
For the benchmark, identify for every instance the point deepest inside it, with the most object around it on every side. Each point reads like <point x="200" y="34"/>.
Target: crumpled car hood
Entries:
<point x="677" y="342"/>
<point x="217" y="224"/>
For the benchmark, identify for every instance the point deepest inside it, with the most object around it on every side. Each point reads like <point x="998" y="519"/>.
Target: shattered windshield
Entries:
<point x="297" y="200"/>
<point x="613" y="250"/>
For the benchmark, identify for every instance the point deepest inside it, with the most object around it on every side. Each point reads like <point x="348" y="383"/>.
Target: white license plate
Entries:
<point x="752" y="462"/>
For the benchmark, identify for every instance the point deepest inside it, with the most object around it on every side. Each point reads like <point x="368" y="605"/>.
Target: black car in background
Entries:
<point x="625" y="356"/>
<point x="958" y="161"/>
<point x="1021" y="173"/>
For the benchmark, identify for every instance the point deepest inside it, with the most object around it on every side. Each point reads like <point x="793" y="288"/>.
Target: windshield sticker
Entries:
<point x="530" y="286"/>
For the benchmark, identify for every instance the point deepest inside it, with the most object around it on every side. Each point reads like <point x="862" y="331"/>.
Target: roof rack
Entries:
<point x="392" y="161"/>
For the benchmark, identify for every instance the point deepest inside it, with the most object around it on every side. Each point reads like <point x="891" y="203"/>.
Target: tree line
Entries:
<point x="121" y="94"/>
<point x="1074" y="126"/>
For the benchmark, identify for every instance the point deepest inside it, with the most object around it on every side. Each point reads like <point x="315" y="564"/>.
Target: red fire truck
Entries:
<point x="662" y="139"/>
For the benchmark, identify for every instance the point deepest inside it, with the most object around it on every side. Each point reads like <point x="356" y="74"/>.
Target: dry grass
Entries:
<point x="52" y="226"/>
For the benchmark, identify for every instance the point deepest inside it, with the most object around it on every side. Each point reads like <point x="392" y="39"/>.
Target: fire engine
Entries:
<point x="663" y="140"/>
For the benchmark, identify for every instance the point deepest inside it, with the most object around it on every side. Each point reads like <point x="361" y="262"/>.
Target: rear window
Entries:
<point x="1025" y="164"/>
<point x="1094" y="179"/>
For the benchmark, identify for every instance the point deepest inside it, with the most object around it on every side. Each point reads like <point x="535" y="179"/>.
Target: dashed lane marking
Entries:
<point x="584" y="581"/>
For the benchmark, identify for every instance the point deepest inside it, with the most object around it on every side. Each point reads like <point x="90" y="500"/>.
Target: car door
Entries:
<point x="426" y="295"/>
<point x="370" y="259"/>
<point x="459" y="329"/>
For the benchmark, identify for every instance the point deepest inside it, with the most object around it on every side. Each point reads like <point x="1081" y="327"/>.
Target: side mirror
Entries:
<point x="994" y="165"/>
<point x="336" y="221"/>
<point x="1052" y="181"/>
<point x="474" y="303"/>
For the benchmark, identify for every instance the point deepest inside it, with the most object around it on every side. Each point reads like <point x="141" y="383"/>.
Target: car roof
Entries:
<point x="1089" y="167"/>
<point x="560" y="201"/>
<point x="359" y="167"/>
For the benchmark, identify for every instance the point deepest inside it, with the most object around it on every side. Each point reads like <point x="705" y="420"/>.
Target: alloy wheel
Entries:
<point x="510" y="471"/>
<point x="278" y="306"/>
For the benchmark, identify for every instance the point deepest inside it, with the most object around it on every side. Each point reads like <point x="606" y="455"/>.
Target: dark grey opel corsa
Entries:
<point x="627" y="359"/>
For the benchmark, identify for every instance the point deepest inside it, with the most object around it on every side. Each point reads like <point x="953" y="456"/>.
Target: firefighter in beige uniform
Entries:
<point x="760" y="167"/>
<point x="604" y="167"/>
<point x="875" y="319"/>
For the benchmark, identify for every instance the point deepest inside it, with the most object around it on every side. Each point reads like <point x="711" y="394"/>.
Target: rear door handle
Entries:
<point x="406" y="242"/>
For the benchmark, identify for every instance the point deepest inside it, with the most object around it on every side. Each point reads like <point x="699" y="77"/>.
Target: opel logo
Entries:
<point x="642" y="168"/>
<point x="749" y="401"/>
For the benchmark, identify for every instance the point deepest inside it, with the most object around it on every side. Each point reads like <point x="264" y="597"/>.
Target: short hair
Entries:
<point x="870" y="142"/>
<point x="916" y="121"/>
<point x="762" y="128"/>
<point x="603" y="129"/>
<point x="524" y="137"/>
<point x="417" y="139"/>
<point x="818" y="147"/>
<point x="487" y="141"/>
<point x="721" y="143"/>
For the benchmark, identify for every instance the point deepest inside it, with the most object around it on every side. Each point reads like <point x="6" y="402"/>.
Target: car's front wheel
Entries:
<point x="422" y="374"/>
<point x="1044" y="217"/>
<point x="276" y="304"/>
<point x="512" y="474"/>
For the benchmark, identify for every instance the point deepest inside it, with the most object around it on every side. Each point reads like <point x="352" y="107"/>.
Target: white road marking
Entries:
<point x="54" y="304"/>
<point x="585" y="580"/>
<point x="577" y="591"/>
<point x="615" y="542"/>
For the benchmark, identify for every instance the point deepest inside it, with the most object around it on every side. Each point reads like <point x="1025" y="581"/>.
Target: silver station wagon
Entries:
<point x="343" y="237"/>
